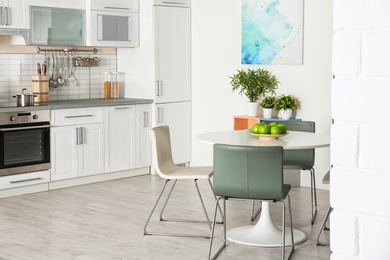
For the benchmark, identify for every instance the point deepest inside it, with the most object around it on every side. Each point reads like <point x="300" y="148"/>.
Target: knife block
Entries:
<point x="40" y="88"/>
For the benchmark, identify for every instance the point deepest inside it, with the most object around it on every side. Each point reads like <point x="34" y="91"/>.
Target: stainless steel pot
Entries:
<point x="25" y="99"/>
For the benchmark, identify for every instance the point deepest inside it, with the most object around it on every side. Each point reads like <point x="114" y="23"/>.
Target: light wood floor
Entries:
<point x="105" y="221"/>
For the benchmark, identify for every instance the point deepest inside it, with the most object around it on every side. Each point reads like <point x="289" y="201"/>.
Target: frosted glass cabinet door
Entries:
<point x="57" y="26"/>
<point x="173" y="53"/>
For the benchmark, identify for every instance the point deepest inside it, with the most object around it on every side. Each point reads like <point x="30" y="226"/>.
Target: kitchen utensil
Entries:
<point x="72" y="78"/>
<point x="52" y="81"/>
<point x="60" y="79"/>
<point x="44" y="68"/>
<point x="24" y="99"/>
<point x="39" y="69"/>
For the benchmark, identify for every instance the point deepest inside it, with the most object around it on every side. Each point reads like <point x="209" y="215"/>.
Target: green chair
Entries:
<point x="302" y="159"/>
<point x="249" y="173"/>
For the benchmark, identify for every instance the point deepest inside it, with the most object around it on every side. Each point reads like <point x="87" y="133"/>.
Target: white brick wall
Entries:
<point x="360" y="222"/>
<point x="89" y="80"/>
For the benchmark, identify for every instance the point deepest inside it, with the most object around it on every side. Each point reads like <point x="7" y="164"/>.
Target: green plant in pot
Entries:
<point x="267" y="104"/>
<point x="285" y="104"/>
<point x="254" y="83"/>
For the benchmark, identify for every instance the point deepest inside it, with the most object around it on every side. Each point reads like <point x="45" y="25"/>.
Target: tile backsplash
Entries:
<point x="16" y="71"/>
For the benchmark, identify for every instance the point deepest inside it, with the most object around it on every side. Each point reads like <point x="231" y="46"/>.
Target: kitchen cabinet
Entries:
<point x="143" y="120"/>
<point x="178" y="116"/>
<point x="172" y="27"/>
<point x="14" y="14"/>
<point x="120" y="138"/>
<point x="173" y="2"/>
<point x="71" y="4"/>
<point x="24" y="179"/>
<point x="115" y="5"/>
<point x="77" y="143"/>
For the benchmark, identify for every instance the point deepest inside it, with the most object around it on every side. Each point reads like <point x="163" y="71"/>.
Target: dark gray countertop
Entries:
<point x="99" y="102"/>
<point x="78" y="103"/>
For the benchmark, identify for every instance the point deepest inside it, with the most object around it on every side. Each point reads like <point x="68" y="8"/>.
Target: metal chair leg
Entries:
<point x="215" y="197"/>
<point x="291" y="228"/>
<point x="313" y="194"/>
<point x="323" y="227"/>
<point x="255" y="214"/>
<point x="213" y="228"/>
<point x="175" y="220"/>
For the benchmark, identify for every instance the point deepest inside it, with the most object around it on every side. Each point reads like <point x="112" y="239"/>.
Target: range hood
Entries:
<point x="24" y="33"/>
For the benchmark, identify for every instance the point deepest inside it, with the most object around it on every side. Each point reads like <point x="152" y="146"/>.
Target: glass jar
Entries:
<point x="115" y="85"/>
<point x="107" y="85"/>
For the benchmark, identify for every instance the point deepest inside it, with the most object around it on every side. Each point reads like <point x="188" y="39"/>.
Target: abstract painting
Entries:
<point x="272" y="32"/>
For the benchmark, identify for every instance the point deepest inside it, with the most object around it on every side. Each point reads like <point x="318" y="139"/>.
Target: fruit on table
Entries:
<point x="272" y="128"/>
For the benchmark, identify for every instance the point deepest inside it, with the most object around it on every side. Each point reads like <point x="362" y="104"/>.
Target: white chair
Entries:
<point x="168" y="170"/>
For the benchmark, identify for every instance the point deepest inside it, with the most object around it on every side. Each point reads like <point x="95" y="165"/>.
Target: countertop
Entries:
<point x="79" y="103"/>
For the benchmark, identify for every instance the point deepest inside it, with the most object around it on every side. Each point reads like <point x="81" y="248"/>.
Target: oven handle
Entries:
<point x="24" y="128"/>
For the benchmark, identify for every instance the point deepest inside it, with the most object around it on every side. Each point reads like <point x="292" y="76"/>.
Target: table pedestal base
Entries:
<point x="264" y="233"/>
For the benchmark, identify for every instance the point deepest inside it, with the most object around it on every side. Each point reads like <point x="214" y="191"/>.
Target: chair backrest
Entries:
<point x="248" y="172"/>
<point x="161" y="150"/>
<point x="302" y="157"/>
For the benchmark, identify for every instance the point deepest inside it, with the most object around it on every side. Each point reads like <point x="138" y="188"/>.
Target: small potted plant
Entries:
<point x="285" y="104"/>
<point x="253" y="83"/>
<point x="268" y="103"/>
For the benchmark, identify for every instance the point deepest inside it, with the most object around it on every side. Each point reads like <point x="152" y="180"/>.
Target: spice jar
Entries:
<point x="107" y="85"/>
<point x="115" y="85"/>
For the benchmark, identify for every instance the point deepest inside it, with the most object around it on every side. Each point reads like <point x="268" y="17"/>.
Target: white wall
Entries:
<point x="360" y="222"/>
<point x="216" y="54"/>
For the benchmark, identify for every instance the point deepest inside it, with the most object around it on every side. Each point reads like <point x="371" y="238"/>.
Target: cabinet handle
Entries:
<point x="172" y="2"/>
<point x="158" y="115"/>
<point x="82" y="135"/>
<point x="118" y="108"/>
<point x="78" y="116"/>
<point x="116" y="8"/>
<point x="146" y="116"/>
<point x="1" y="16"/>
<point x="26" y="180"/>
<point x="158" y="88"/>
<point x="77" y="136"/>
<point x="6" y="16"/>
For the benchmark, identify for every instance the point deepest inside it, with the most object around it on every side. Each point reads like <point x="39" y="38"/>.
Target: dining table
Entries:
<point x="265" y="233"/>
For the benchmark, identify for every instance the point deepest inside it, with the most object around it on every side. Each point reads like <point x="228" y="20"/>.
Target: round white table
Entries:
<point x="265" y="233"/>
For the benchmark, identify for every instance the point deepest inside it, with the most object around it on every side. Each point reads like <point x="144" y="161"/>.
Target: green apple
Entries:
<point x="275" y="130"/>
<point x="283" y="127"/>
<point x="264" y="129"/>
<point x="273" y="124"/>
<point x="255" y="128"/>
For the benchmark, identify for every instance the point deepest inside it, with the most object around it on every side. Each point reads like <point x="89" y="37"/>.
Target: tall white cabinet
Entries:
<point x="172" y="31"/>
<point x="160" y="69"/>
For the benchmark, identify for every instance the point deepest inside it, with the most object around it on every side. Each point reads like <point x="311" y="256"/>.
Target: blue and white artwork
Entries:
<point x="272" y="32"/>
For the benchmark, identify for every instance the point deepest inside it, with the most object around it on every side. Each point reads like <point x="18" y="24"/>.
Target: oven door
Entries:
<point x="25" y="148"/>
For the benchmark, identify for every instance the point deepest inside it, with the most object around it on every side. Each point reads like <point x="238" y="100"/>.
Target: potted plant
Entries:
<point x="253" y="83"/>
<point x="285" y="104"/>
<point x="268" y="103"/>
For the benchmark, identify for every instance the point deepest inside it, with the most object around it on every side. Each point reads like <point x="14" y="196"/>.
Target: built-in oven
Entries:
<point x="25" y="141"/>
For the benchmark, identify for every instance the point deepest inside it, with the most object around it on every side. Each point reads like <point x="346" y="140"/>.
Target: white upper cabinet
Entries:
<point x="73" y="4"/>
<point x="172" y="27"/>
<point x="115" y="5"/>
<point x="173" y="2"/>
<point x="14" y="14"/>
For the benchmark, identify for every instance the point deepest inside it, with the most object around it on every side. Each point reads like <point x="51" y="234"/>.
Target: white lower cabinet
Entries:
<point x="119" y="140"/>
<point x="177" y="116"/>
<point x="76" y="149"/>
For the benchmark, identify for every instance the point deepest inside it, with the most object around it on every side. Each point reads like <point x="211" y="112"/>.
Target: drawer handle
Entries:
<point x="26" y="180"/>
<point x="78" y="116"/>
<point x="118" y="108"/>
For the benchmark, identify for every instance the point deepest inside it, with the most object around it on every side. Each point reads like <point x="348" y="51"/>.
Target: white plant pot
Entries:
<point x="267" y="112"/>
<point x="285" y="114"/>
<point x="253" y="108"/>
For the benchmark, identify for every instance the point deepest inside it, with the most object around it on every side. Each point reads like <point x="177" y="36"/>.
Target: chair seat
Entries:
<point x="296" y="167"/>
<point x="190" y="173"/>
